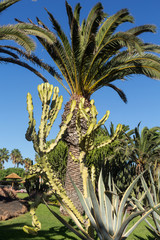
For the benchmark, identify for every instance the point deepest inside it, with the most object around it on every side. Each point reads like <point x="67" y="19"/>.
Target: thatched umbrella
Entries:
<point x="13" y="178"/>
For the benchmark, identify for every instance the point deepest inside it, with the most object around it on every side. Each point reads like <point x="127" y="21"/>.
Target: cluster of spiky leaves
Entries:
<point x="152" y="194"/>
<point x="108" y="211"/>
<point x="97" y="54"/>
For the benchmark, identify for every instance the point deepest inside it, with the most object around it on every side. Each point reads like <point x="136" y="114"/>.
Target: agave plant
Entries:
<point x="107" y="213"/>
<point x="153" y="196"/>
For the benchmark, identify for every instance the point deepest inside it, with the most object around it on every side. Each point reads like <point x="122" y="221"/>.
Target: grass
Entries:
<point x="22" y="195"/>
<point x="52" y="228"/>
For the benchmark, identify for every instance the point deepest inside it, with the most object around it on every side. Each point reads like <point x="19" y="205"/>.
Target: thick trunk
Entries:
<point x="72" y="139"/>
<point x="73" y="170"/>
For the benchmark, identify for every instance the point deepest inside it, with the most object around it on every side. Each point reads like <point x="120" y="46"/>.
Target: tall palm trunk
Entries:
<point x="72" y="140"/>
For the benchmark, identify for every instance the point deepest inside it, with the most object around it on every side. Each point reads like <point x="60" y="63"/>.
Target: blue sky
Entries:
<point x="143" y="93"/>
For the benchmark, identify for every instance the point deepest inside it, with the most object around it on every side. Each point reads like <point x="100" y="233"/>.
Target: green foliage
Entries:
<point x="5" y="172"/>
<point x="112" y="158"/>
<point x="58" y="160"/>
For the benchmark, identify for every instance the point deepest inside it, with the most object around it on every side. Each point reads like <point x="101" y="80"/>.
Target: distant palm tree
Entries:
<point x="144" y="147"/>
<point x="4" y="156"/>
<point x="95" y="56"/>
<point x="16" y="157"/>
<point x="27" y="163"/>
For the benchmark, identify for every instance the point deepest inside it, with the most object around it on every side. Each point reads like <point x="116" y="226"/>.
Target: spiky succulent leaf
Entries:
<point x="123" y="201"/>
<point x="67" y="224"/>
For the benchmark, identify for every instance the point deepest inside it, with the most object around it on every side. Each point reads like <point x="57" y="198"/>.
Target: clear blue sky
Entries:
<point x="143" y="93"/>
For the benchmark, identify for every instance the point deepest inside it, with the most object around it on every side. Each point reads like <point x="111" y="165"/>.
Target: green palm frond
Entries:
<point x="10" y="32"/>
<point x="66" y="49"/>
<point x="32" y="58"/>
<point x="75" y="36"/>
<point x="110" y="49"/>
<point x="124" y="64"/>
<point x="69" y="13"/>
<point x="119" y="91"/>
<point x="147" y="47"/>
<point x="110" y="25"/>
<point x="89" y="30"/>
<point x="22" y="64"/>
<point x="94" y="20"/>
<point x="31" y="29"/>
<point x="16" y="33"/>
<point x="142" y="29"/>
<point x="10" y="53"/>
<point x="7" y="3"/>
<point x="77" y="12"/>
<point x="57" y="54"/>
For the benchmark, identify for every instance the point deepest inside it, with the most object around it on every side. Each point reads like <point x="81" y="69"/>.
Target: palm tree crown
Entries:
<point x="144" y="147"/>
<point x="96" y="55"/>
<point x="16" y="157"/>
<point x="4" y="156"/>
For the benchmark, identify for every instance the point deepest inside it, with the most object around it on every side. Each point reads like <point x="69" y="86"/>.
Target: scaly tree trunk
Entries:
<point x="72" y="140"/>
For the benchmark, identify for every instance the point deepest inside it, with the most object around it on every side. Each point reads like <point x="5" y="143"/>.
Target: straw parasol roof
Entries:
<point x="13" y="176"/>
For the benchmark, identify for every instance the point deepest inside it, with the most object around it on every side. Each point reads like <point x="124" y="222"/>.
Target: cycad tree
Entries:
<point x="94" y="56"/>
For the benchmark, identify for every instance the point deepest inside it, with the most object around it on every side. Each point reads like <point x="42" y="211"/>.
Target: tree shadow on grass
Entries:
<point x="15" y="232"/>
<point x="147" y="238"/>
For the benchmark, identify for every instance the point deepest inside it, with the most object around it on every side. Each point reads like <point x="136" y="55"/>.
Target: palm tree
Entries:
<point x="10" y="54"/>
<point x="144" y="147"/>
<point x="27" y="163"/>
<point x="4" y="156"/>
<point x="114" y="158"/>
<point x="95" y="56"/>
<point x="16" y="157"/>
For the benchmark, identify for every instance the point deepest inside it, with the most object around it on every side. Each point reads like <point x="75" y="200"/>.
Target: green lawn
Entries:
<point x="51" y="228"/>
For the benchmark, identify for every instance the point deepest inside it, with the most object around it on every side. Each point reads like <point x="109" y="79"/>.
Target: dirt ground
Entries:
<point x="10" y="205"/>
